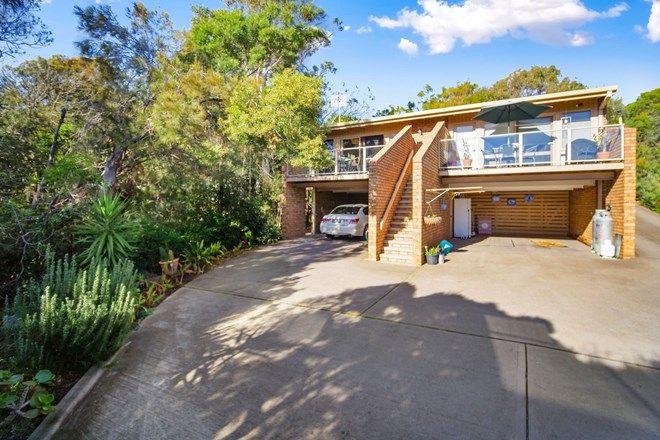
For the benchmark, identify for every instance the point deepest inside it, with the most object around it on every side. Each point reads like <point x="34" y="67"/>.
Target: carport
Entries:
<point x="538" y="205"/>
<point x="325" y="196"/>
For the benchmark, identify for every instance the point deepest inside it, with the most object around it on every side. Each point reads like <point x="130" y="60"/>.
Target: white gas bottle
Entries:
<point x="602" y="229"/>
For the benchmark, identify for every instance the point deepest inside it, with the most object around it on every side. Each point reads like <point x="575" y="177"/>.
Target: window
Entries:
<point x="582" y="118"/>
<point x="330" y="145"/>
<point x="372" y="141"/>
<point x="365" y="211"/>
<point x="348" y="210"/>
<point x="350" y="143"/>
<point x="536" y="124"/>
<point x="493" y="129"/>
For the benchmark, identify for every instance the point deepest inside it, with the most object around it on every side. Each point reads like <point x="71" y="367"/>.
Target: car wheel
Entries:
<point x="330" y="236"/>
<point x="365" y="234"/>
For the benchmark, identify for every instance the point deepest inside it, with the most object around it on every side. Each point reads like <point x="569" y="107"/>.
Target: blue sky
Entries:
<point x="393" y="48"/>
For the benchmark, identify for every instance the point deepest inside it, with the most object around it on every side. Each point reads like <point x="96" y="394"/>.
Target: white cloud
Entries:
<point x="347" y="28"/>
<point x="442" y="24"/>
<point x="363" y="30"/>
<point x="408" y="47"/>
<point x="653" y="27"/>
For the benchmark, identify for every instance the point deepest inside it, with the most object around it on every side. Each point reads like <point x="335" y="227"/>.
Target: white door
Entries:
<point x="463" y="218"/>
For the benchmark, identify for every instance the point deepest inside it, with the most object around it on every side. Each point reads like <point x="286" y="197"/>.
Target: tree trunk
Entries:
<point x="51" y="156"/>
<point x="114" y="162"/>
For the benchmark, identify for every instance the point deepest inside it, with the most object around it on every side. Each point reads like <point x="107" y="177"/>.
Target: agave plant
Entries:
<point x="108" y="232"/>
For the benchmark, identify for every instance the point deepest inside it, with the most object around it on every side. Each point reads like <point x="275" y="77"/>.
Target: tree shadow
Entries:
<point x="208" y="365"/>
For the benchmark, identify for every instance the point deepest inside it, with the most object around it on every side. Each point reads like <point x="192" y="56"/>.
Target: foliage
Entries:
<point x="198" y="256"/>
<point x="72" y="318"/>
<point x="644" y="114"/>
<point x="522" y="82"/>
<point x="258" y="40"/>
<point x="397" y="109"/>
<point x="17" y="395"/>
<point x="108" y="232"/>
<point x="430" y="251"/>
<point x="20" y="27"/>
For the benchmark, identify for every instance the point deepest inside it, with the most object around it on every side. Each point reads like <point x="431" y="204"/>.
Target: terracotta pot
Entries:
<point x="467" y="163"/>
<point x="170" y="267"/>
<point x="603" y="155"/>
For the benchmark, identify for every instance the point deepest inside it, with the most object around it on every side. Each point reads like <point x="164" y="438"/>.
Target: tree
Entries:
<point x="536" y="80"/>
<point x="20" y="27"/>
<point x="644" y="114"/>
<point x="131" y="55"/>
<point x="397" y="109"/>
<point x="256" y="38"/>
<point x="465" y="92"/>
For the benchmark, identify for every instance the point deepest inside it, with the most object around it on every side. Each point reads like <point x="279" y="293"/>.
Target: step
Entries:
<point x="408" y="261"/>
<point x="402" y="249"/>
<point x="401" y="234"/>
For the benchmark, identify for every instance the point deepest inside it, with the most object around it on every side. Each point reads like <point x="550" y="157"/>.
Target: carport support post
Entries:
<point x="294" y="210"/>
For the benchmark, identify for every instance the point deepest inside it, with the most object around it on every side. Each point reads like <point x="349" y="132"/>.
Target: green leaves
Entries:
<point x="108" y="232"/>
<point x="15" y="392"/>
<point x="44" y="377"/>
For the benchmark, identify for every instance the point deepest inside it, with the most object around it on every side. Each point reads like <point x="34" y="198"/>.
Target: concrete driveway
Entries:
<point x="307" y="339"/>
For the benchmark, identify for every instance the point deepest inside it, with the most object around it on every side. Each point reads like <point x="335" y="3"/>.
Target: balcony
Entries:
<point x="349" y="163"/>
<point x="539" y="148"/>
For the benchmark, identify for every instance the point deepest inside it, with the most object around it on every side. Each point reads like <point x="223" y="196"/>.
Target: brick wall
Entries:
<point x="384" y="171"/>
<point x="620" y="195"/>
<point x="581" y="205"/>
<point x="294" y="205"/>
<point x="425" y="176"/>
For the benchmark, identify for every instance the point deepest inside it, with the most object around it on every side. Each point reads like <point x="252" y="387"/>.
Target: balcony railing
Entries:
<point x="353" y="160"/>
<point x="569" y="145"/>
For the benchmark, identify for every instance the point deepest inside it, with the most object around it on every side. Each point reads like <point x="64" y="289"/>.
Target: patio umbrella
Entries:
<point x="512" y="111"/>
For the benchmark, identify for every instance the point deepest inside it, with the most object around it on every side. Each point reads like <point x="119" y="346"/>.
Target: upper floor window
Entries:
<point x="372" y="141"/>
<point x="536" y="124"/>
<point x="350" y="143"/>
<point x="330" y="145"/>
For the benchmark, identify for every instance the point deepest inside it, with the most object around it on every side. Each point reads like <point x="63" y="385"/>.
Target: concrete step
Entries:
<point x="389" y="248"/>
<point x="397" y="259"/>
<point x="405" y="234"/>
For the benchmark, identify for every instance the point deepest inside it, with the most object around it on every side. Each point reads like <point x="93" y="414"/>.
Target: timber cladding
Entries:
<point x="546" y="214"/>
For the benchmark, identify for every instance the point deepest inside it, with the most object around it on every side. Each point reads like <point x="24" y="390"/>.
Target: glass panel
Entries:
<point x="537" y="147"/>
<point x="330" y="145"/>
<point x="350" y="143"/>
<point x="349" y="210"/>
<point x="492" y="129"/>
<point x="501" y="150"/>
<point x="370" y="141"/>
<point x="536" y="124"/>
<point x="348" y="161"/>
<point x="449" y="151"/>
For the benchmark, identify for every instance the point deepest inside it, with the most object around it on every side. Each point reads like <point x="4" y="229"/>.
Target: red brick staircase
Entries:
<point x="398" y="245"/>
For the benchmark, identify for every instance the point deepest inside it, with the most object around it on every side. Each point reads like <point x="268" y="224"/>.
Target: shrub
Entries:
<point x="72" y="318"/>
<point x="108" y="232"/>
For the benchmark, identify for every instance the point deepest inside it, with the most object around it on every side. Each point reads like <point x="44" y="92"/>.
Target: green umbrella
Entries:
<point x="512" y="111"/>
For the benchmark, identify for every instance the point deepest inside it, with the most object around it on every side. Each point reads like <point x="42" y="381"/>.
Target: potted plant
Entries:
<point x="432" y="254"/>
<point x="602" y="144"/>
<point x="168" y="264"/>
<point x="432" y="219"/>
<point x="467" y="157"/>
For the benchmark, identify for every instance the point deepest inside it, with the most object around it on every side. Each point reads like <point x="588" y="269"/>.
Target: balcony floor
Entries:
<point x="597" y="166"/>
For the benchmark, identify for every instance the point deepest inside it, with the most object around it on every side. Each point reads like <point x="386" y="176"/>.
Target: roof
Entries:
<point x="549" y="98"/>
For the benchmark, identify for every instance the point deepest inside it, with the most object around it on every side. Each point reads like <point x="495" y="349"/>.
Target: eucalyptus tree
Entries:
<point x="21" y="27"/>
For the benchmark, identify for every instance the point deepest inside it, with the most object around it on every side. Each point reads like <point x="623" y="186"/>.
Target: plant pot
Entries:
<point x="432" y="220"/>
<point x="467" y="163"/>
<point x="169" y="268"/>
<point x="432" y="259"/>
<point x="603" y="155"/>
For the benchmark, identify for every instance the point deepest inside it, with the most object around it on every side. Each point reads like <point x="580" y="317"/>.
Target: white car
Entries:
<point x="352" y="220"/>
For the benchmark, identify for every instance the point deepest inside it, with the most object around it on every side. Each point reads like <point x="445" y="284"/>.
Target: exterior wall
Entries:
<point x="620" y="196"/>
<point x="294" y="210"/>
<point x="582" y="203"/>
<point x="425" y="176"/>
<point x="384" y="171"/>
<point x="325" y="201"/>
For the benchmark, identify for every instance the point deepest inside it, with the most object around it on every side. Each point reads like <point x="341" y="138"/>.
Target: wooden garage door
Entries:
<point x="546" y="214"/>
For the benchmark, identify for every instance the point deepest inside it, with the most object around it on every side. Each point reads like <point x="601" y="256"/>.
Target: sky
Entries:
<point x="390" y="49"/>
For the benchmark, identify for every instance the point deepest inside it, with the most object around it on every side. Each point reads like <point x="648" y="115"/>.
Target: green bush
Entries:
<point x="73" y="318"/>
<point x="108" y="232"/>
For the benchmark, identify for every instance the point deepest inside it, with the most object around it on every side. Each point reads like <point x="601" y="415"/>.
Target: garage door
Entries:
<point x="539" y="213"/>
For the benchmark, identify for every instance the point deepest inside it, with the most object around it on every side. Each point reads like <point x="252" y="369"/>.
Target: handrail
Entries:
<point x="396" y="194"/>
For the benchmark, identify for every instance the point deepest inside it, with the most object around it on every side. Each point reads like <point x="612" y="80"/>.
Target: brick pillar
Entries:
<point x="621" y="196"/>
<point x="294" y="206"/>
<point x="322" y="203"/>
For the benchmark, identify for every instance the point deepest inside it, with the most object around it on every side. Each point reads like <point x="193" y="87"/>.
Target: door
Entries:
<point x="466" y="146"/>
<point x="578" y="143"/>
<point x="463" y="218"/>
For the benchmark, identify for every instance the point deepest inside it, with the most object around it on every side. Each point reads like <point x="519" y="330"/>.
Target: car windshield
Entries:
<point x="349" y="210"/>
